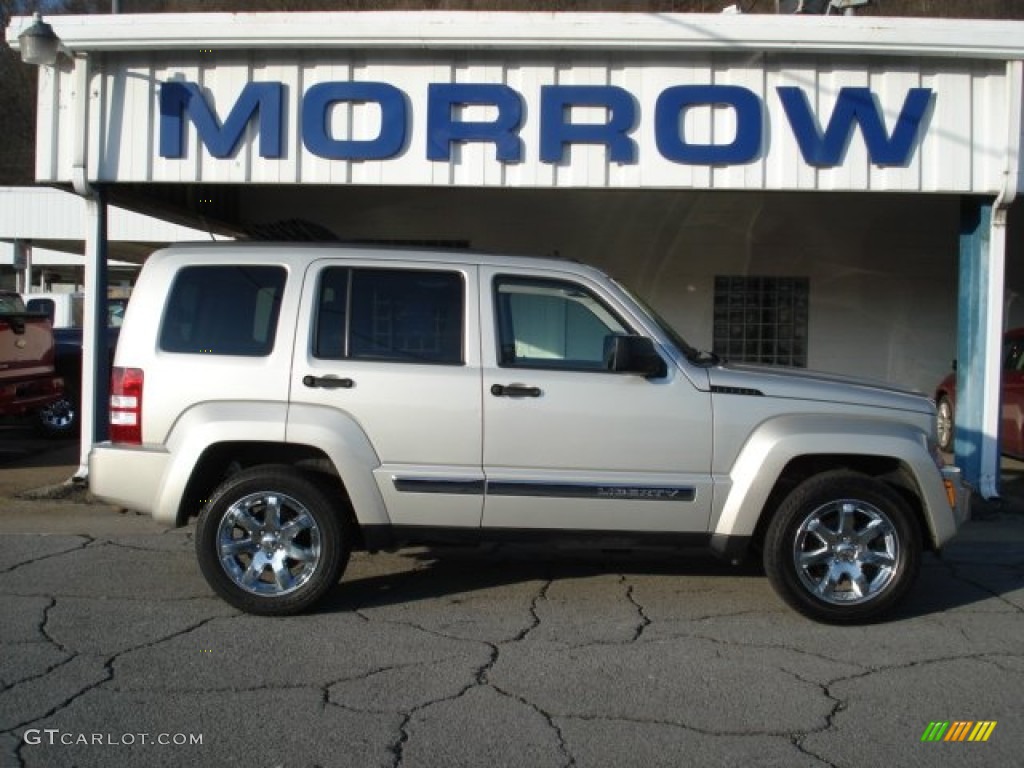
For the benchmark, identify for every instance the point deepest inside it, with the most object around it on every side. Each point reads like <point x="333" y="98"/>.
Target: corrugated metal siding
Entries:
<point x="963" y="149"/>
<point x="31" y="213"/>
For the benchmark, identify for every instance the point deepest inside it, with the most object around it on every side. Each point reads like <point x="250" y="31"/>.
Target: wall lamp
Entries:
<point x="39" y="44"/>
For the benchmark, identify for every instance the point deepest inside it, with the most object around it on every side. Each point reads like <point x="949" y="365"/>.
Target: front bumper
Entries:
<point x="958" y="493"/>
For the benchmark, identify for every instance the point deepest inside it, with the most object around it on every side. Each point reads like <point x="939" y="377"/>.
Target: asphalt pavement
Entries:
<point x="114" y="652"/>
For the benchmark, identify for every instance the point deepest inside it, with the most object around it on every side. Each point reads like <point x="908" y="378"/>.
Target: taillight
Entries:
<point x="126" y="405"/>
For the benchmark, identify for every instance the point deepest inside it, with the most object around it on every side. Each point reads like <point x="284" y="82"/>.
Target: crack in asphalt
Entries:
<point x="136" y="548"/>
<point x="954" y="571"/>
<point x="397" y="749"/>
<point x="772" y="646"/>
<point x="996" y="658"/>
<point x="210" y="598"/>
<point x="645" y="620"/>
<point x="45" y="632"/>
<point x="38" y="675"/>
<point x="86" y="542"/>
<point x="548" y="718"/>
<point x="480" y="678"/>
<point x="798" y="738"/>
<point x="108" y="668"/>
<point x="784" y="734"/>
<point x="790" y="738"/>
<point x="798" y="743"/>
<point x="481" y="673"/>
<point x="542" y="594"/>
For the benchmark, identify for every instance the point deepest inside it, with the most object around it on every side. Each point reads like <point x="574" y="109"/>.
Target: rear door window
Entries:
<point x="41" y="307"/>
<point x="223" y="310"/>
<point x="393" y="315"/>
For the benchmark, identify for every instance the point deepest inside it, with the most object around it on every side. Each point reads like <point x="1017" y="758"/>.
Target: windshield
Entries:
<point x="694" y="355"/>
<point x="11" y="303"/>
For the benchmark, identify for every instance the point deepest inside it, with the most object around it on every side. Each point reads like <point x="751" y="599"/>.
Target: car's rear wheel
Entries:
<point x="271" y="541"/>
<point x="944" y="423"/>
<point x="843" y="548"/>
<point x="60" y="418"/>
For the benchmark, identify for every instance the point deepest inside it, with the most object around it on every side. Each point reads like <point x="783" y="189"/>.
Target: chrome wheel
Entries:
<point x="59" y="418"/>
<point x="846" y="552"/>
<point x="269" y="544"/>
<point x="272" y="540"/>
<point x="843" y="547"/>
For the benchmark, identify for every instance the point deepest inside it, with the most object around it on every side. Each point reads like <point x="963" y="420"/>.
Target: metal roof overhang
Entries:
<point x="472" y="30"/>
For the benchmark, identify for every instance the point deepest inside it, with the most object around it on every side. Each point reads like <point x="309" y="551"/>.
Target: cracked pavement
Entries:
<point x="490" y="657"/>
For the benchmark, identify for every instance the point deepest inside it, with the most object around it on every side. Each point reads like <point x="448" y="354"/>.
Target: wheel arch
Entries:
<point x="895" y="473"/>
<point x="782" y="454"/>
<point x="221" y="460"/>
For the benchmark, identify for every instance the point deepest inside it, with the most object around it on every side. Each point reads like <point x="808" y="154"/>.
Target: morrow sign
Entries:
<point x="823" y="140"/>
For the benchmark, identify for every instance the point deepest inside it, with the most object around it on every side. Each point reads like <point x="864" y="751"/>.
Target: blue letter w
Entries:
<point x="855" y="106"/>
<point x="179" y="98"/>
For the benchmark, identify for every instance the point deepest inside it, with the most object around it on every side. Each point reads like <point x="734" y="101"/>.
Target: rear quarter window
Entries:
<point x="223" y="310"/>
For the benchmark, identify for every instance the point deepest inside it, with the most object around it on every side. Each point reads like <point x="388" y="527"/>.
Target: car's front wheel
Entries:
<point x="271" y="541"/>
<point x="842" y="548"/>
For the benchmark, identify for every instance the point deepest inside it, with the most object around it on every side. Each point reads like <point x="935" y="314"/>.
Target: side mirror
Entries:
<point x="633" y="354"/>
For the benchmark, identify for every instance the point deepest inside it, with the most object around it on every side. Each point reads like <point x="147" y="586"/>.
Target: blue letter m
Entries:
<point x="179" y="98"/>
<point x="855" y="106"/>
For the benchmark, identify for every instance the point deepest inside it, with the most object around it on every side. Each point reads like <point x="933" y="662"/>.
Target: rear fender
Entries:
<point x="328" y="430"/>
<point x="205" y="425"/>
<point x="339" y="436"/>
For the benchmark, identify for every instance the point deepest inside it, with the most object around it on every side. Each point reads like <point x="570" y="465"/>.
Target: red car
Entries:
<point x="1012" y="423"/>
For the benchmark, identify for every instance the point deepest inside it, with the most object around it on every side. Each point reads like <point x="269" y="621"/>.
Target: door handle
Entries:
<point x="327" y="382"/>
<point x="514" y="390"/>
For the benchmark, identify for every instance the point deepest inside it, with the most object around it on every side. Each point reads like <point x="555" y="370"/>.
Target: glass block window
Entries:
<point x="761" y="319"/>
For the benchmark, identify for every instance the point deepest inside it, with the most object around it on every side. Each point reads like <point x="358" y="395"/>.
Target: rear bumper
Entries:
<point x="22" y="397"/>
<point x="129" y="477"/>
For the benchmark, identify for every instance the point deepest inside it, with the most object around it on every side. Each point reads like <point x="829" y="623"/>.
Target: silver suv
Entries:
<point x="308" y="401"/>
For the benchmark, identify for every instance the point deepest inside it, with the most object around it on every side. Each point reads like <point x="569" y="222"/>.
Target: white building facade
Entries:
<point x="827" y="192"/>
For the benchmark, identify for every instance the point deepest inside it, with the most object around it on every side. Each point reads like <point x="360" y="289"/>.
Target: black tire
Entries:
<point x="272" y="564"/>
<point x="843" y="548"/>
<point x="60" y="418"/>
<point x="945" y="423"/>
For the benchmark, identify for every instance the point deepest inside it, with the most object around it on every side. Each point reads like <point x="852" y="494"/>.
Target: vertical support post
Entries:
<point x="95" y="396"/>
<point x="27" y="249"/>
<point x="23" y="265"/>
<point x="979" y="345"/>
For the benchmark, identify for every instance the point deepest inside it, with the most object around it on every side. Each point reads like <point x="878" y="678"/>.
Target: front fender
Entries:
<point x="777" y="442"/>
